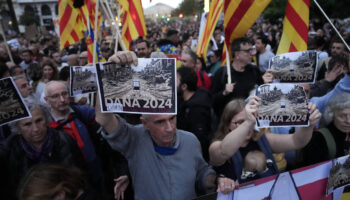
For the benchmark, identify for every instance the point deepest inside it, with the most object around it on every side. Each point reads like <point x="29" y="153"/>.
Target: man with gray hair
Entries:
<point x="189" y="59"/>
<point x="333" y="140"/>
<point x="34" y="143"/>
<point x="79" y="122"/>
<point x="171" y="157"/>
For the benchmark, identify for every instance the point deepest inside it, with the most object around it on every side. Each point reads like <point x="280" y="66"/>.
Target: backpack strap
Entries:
<point x="331" y="146"/>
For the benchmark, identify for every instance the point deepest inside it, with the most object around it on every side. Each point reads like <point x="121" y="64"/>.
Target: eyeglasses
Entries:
<point x="56" y="96"/>
<point x="252" y="50"/>
<point x="237" y="123"/>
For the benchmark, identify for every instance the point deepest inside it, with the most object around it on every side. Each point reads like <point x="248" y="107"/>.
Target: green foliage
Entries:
<point x="189" y="7"/>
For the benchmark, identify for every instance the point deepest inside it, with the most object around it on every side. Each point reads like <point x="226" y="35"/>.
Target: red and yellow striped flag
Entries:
<point x="88" y="12"/>
<point x="296" y="27"/>
<point x="240" y="15"/>
<point x="71" y="23"/>
<point x="133" y="21"/>
<point x="216" y="7"/>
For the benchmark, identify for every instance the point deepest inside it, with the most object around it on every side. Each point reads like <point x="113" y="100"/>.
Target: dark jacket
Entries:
<point x="317" y="151"/>
<point x="194" y="115"/>
<point x="245" y="82"/>
<point x="15" y="163"/>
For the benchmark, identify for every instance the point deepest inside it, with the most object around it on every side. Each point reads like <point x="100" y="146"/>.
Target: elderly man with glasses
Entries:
<point x="79" y="122"/>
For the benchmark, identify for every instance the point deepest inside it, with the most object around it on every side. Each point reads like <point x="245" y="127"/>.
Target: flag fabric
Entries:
<point x="215" y="10"/>
<point x="76" y="19"/>
<point x="133" y="21"/>
<point x="240" y="15"/>
<point x="90" y="45"/>
<point x="88" y="12"/>
<point x="71" y="23"/>
<point x="296" y="27"/>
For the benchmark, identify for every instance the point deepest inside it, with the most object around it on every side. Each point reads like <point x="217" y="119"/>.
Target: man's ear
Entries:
<point x="184" y="87"/>
<point x="144" y="122"/>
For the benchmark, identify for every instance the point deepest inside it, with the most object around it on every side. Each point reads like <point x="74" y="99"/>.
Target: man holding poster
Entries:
<point x="164" y="162"/>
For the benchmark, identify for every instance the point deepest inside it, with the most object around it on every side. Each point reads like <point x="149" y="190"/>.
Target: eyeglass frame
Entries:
<point x="251" y="50"/>
<point x="56" y="96"/>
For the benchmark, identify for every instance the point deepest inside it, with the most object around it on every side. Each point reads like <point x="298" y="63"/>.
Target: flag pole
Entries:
<point x="117" y="29"/>
<point x="228" y="66"/>
<point x="95" y="31"/>
<point x="111" y="18"/>
<point x="335" y="29"/>
<point x="6" y="45"/>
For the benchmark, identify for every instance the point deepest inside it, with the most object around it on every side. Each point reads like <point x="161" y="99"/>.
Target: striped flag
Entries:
<point x="71" y="22"/>
<point x="240" y="15"/>
<point x="216" y="7"/>
<point x="88" y="12"/>
<point x="296" y="27"/>
<point x="133" y="21"/>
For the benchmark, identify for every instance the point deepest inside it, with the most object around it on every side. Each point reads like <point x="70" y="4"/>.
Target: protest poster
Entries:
<point x="339" y="178"/>
<point x="83" y="80"/>
<point x="12" y="107"/>
<point x="282" y="104"/>
<point x="146" y="88"/>
<point x="295" y="67"/>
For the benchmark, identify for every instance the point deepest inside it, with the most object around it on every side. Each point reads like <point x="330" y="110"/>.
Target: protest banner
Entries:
<point x="12" y="107"/>
<point x="295" y="67"/>
<point x="146" y="88"/>
<point x="282" y="105"/>
<point x="83" y="80"/>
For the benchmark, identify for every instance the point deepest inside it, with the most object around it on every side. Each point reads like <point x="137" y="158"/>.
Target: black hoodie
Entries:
<point x="194" y="115"/>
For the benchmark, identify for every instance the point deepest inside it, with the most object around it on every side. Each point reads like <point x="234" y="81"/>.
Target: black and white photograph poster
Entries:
<point x="83" y="80"/>
<point x="295" y="67"/>
<point x="12" y="107"/>
<point x="147" y="88"/>
<point x="282" y="104"/>
<point x="339" y="177"/>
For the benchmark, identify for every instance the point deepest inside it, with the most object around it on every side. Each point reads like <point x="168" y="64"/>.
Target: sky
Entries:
<point x="172" y="3"/>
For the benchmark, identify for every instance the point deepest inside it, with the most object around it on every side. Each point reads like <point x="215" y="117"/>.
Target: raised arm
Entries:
<point x="288" y="142"/>
<point x="107" y="120"/>
<point x="220" y="151"/>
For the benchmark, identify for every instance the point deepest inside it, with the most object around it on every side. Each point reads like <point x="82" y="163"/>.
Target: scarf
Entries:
<point x="39" y="155"/>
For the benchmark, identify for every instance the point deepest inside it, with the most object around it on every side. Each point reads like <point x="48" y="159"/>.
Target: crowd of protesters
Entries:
<point x="70" y="150"/>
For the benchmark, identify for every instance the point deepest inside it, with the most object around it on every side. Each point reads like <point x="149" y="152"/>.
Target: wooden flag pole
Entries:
<point x="228" y="66"/>
<point x="335" y="29"/>
<point x="95" y="31"/>
<point x="6" y="45"/>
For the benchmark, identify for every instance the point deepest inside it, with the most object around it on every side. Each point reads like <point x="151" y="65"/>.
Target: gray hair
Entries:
<point x="158" y="55"/>
<point x="33" y="106"/>
<point x="339" y="102"/>
<point x="54" y="82"/>
<point x="192" y="55"/>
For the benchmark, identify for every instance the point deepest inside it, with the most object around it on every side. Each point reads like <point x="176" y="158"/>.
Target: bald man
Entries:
<point x="73" y="60"/>
<point x="83" y="58"/>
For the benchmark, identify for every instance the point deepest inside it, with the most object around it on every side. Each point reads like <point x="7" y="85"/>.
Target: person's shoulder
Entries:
<point x="83" y="107"/>
<point x="188" y="136"/>
<point x="270" y="53"/>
